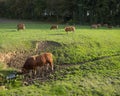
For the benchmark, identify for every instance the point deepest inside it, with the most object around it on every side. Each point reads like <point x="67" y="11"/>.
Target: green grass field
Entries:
<point x="93" y="53"/>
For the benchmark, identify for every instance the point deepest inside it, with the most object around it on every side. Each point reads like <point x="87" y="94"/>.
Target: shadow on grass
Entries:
<point x="13" y="30"/>
<point x="57" y="34"/>
<point x="10" y="30"/>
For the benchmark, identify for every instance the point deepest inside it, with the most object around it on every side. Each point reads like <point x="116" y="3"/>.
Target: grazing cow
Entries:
<point x="110" y="26"/>
<point x="35" y="61"/>
<point x="69" y="28"/>
<point x="94" y="26"/>
<point x="105" y="25"/>
<point x="98" y="25"/>
<point x="20" y="26"/>
<point x="54" y="27"/>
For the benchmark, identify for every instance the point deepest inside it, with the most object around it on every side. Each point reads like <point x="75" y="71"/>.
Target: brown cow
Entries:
<point x="20" y="26"/>
<point x="94" y="26"/>
<point x="69" y="28"/>
<point x="98" y="25"/>
<point x="35" y="61"/>
<point x="110" y="27"/>
<point x="105" y="25"/>
<point x="54" y="27"/>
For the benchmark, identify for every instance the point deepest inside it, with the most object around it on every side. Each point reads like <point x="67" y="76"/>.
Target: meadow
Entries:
<point x="91" y="56"/>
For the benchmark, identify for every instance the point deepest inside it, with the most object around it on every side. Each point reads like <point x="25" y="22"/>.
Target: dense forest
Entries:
<point x="63" y="11"/>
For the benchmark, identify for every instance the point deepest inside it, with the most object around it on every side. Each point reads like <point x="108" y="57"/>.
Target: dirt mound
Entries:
<point x="17" y="59"/>
<point x="46" y="45"/>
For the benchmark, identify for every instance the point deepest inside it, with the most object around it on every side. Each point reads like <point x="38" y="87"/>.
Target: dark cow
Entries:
<point x="35" y="61"/>
<point x="20" y="26"/>
<point x="54" y="27"/>
<point x="69" y="28"/>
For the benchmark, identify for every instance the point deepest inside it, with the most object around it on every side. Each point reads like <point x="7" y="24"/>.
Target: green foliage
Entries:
<point x="75" y="11"/>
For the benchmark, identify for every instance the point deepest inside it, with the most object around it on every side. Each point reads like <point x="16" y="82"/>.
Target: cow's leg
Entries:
<point x="42" y="69"/>
<point x="30" y="74"/>
<point x="46" y="67"/>
<point x="39" y="71"/>
<point x="51" y="65"/>
<point x="34" y="72"/>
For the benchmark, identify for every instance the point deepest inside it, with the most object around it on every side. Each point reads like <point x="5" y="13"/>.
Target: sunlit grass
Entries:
<point x="99" y="48"/>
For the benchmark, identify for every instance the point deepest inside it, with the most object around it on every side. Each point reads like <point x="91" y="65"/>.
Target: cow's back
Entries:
<point x="70" y="28"/>
<point x="21" y="26"/>
<point x="73" y="28"/>
<point x="54" y="27"/>
<point x="43" y="59"/>
<point x="48" y="57"/>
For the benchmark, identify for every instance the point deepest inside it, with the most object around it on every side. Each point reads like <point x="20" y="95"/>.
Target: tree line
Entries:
<point x="63" y="11"/>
